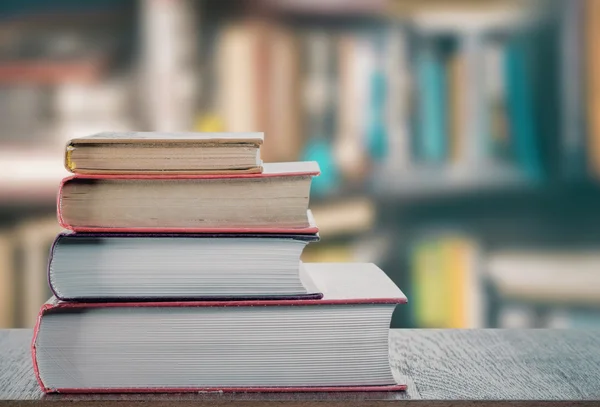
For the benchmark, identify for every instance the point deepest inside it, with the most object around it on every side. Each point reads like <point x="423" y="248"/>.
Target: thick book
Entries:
<point x="159" y="267"/>
<point x="338" y="343"/>
<point x="165" y="153"/>
<point x="275" y="201"/>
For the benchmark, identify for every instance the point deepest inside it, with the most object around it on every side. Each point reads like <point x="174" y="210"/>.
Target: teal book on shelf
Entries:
<point x="521" y="110"/>
<point x="431" y="83"/>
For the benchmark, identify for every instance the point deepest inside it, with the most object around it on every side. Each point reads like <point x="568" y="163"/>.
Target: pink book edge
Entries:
<point x="384" y="388"/>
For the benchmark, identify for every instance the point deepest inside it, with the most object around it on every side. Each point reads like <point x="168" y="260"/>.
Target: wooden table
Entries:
<point x="441" y="367"/>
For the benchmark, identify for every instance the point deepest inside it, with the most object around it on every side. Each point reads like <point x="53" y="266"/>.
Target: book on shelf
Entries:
<point x="431" y="140"/>
<point x="592" y="82"/>
<point x="446" y="283"/>
<point x="7" y="280"/>
<point x="521" y="108"/>
<point x="499" y="141"/>
<point x="165" y="153"/>
<point x="397" y="107"/>
<point x="476" y="129"/>
<point x="354" y="59"/>
<point x="338" y="343"/>
<point x="169" y="55"/>
<point x="115" y="267"/>
<point x="275" y="200"/>
<point x="257" y="84"/>
<point x="284" y="124"/>
<point x="573" y="48"/>
<point x="486" y="95"/>
<point x="320" y="81"/>
<point x="457" y="106"/>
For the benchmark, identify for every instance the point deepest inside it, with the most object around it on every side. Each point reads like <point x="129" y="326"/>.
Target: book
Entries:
<point x="338" y="343"/>
<point x="376" y="131"/>
<point x="355" y="61"/>
<point x="238" y="76"/>
<point x="320" y="81"/>
<point x="457" y="105"/>
<point x="164" y="153"/>
<point x="97" y="267"/>
<point x="7" y="281"/>
<point x="475" y="141"/>
<point x="431" y="84"/>
<point x="397" y="109"/>
<point x="274" y="201"/>
<point x="498" y="146"/>
<point x="170" y="64"/>
<point x="572" y="72"/>
<point x="283" y="124"/>
<point x="258" y="83"/>
<point x="447" y="284"/>
<point x="592" y="83"/>
<point x="428" y="280"/>
<point x="520" y="102"/>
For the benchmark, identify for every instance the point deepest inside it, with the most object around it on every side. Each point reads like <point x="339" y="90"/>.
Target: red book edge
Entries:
<point x="311" y="229"/>
<point x="386" y="388"/>
<point x="65" y="305"/>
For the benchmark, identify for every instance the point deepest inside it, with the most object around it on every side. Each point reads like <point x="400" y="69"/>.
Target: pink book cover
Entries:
<point x="271" y="170"/>
<point x="366" y="284"/>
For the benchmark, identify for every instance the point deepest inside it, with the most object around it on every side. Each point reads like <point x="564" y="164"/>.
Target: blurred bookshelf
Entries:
<point x="449" y="133"/>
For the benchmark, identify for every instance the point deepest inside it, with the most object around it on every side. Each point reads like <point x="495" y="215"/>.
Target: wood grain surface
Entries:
<point x="441" y="368"/>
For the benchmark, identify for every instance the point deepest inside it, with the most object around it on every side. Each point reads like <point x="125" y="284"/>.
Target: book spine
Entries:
<point x="592" y="33"/>
<point x="59" y="214"/>
<point x="520" y="107"/>
<point x="50" y="259"/>
<point x="457" y="117"/>
<point x="36" y="330"/>
<point x="69" y="164"/>
<point x="573" y="146"/>
<point x="397" y="110"/>
<point x="354" y="60"/>
<point x="476" y="126"/>
<point x="432" y="111"/>
<point x="7" y="281"/>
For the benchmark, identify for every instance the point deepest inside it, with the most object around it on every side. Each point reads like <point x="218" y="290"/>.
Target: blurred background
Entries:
<point x="459" y="140"/>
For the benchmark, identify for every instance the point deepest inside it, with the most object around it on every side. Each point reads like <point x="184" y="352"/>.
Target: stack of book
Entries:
<point x="183" y="274"/>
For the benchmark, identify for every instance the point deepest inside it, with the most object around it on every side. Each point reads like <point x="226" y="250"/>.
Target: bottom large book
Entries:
<point x="338" y="343"/>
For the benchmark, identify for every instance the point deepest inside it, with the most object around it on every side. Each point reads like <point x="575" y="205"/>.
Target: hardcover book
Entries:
<point x="275" y="201"/>
<point x="165" y="153"/>
<point x="338" y="343"/>
<point x="136" y="267"/>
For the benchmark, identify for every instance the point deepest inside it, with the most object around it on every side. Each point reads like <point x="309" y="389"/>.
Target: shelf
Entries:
<point x="423" y="183"/>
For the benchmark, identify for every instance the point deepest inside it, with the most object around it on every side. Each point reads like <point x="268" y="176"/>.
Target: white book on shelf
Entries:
<point x="396" y="67"/>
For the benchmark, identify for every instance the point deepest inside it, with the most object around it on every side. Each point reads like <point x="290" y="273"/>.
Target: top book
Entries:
<point x="165" y="153"/>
